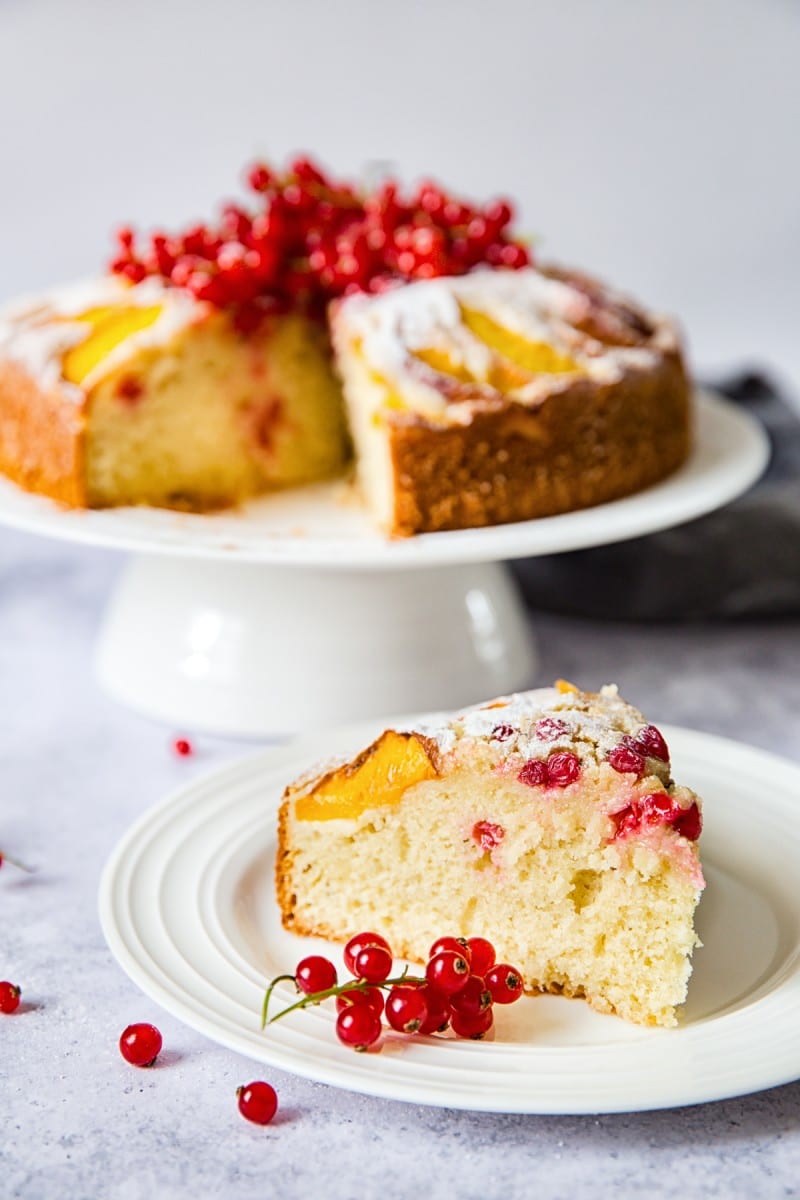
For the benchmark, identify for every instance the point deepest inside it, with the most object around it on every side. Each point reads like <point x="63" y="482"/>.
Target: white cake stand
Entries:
<point x="294" y="613"/>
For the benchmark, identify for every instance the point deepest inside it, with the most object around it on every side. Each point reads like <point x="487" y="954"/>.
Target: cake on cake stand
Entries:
<point x="295" y="613"/>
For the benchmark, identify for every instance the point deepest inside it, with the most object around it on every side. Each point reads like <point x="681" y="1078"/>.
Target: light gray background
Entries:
<point x="656" y="143"/>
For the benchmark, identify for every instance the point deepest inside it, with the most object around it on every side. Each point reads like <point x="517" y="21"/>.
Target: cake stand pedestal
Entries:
<point x="248" y="649"/>
<point x="295" y="613"/>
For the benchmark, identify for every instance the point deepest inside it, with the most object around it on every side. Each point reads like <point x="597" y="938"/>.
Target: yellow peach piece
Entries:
<point x="379" y="776"/>
<point x="109" y="327"/>
<point x="535" y="358"/>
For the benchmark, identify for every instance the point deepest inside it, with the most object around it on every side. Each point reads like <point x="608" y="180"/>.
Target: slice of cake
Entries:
<point x="116" y="393"/>
<point x="505" y="395"/>
<point x="547" y="822"/>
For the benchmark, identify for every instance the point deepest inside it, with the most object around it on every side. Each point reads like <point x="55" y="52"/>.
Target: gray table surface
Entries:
<point x="76" y="1121"/>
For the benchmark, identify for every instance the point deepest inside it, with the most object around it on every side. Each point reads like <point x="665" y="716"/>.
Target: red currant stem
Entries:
<point x="353" y="985"/>
<point x="21" y="866"/>
<point x="268" y="994"/>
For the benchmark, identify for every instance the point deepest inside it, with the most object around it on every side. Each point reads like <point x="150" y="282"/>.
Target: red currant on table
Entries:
<point x="458" y="945"/>
<point x="406" y="1010"/>
<point x="505" y="983"/>
<point x="9" y="997"/>
<point x="447" y="971"/>
<point x="474" y="1025"/>
<point x="315" y="974"/>
<point x="374" y="964"/>
<point x="140" y="1045"/>
<point x="258" y="1102"/>
<point x="358" y="943"/>
<point x="482" y="955"/>
<point x="358" y="1026"/>
<point x="183" y="747"/>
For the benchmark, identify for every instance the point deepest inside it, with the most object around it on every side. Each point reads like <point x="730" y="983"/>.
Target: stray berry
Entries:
<point x="358" y="1026"/>
<point x="258" y="1102"/>
<point x="358" y="943"/>
<point x="315" y="974"/>
<point x="140" y="1045"/>
<point x="374" y="963"/>
<point x="406" y="1010"/>
<point x="183" y="747"/>
<point x="504" y="983"/>
<point x="447" y="971"/>
<point x="474" y="1025"/>
<point x="9" y="997"/>
<point x="482" y="955"/>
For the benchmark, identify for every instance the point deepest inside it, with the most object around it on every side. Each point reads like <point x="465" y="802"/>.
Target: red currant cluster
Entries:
<point x="462" y="981"/>
<point x="311" y="239"/>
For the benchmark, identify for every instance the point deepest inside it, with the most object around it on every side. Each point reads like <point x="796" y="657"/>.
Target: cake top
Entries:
<point x="494" y="334"/>
<point x="535" y="724"/>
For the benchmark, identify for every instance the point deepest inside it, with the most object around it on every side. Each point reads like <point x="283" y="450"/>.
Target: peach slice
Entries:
<point x="534" y="358"/>
<point x="379" y="776"/>
<point x="108" y="327"/>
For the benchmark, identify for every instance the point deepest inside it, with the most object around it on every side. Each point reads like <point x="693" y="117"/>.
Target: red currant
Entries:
<point x="534" y="773"/>
<point x="9" y="997"/>
<point x="358" y="943"/>
<point x="627" y="761"/>
<point x="438" y="1006"/>
<point x="690" y="823"/>
<point x="358" y="1026"/>
<point x="372" y="997"/>
<point x="406" y="1010"/>
<point x="259" y="177"/>
<point x="505" y="983"/>
<point x="258" y="1102"/>
<point x="183" y="747"/>
<point x="474" y="1025"/>
<point x="315" y="974"/>
<point x="473" y="998"/>
<point x="563" y="769"/>
<point x="652" y="742"/>
<point x="140" y="1045"/>
<point x="482" y="954"/>
<point x="501" y="733"/>
<point x="487" y="835"/>
<point x="458" y="945"/>
<point x="374" y="963"/>
<point x="447" y="971"/>
<point x="550" y="729"/>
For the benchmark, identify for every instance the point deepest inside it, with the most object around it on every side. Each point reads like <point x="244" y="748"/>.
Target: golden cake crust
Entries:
<point x="585" y="445"/>
<point x="42" y="436"/>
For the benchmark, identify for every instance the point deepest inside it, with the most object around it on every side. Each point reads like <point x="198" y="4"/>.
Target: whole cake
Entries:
<point x="547" y="822"/>
<point x="476" y="388"/>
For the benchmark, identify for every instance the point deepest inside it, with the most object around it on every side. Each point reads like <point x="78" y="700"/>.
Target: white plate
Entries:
<point x="187" y="907"/>
<point x="323" y="526"/>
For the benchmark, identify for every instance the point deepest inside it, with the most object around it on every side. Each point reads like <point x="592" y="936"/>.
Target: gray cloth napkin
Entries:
<point x="742" y="561"/>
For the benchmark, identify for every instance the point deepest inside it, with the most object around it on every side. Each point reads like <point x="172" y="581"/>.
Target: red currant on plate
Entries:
<point x="457" y="944"/>
<point x="358" y="943"/>
<point x="474" y="1026"/>
<point x="358" y="1026"/>
<point x="447" y="971"/>
<point x="315" y="974"/>
<point x="406" y="1010"/>
<point x="140" y="1045"/>
<point x="371" y="996"/>
<point x="482" y="955"/>
<point x="472" y="999"/>
<point x="183" y="747"/>
<point x="9" y="997"/>
<point x="258" y="1102"/>
<point x="374" y="963"/>
<point x="505" y="983"/>
<point x="439" y="1010"/>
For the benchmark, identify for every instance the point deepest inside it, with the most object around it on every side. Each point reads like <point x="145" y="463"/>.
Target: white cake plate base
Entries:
<point x="294" y="612"/>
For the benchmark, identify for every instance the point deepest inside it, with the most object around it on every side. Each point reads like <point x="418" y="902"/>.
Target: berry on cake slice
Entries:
<point x="547" y="822"/>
